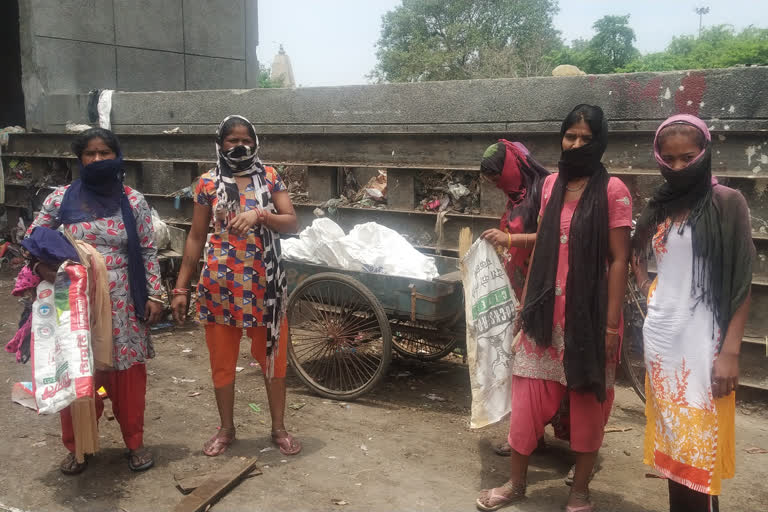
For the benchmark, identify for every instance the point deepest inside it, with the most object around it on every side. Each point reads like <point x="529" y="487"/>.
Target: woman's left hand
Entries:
<point x="497" y="237"/>
<point x="725" y="374"/>
<point x="611" y="347"/>
<point x="153" y="312"/>
<point x="243" y="222"/>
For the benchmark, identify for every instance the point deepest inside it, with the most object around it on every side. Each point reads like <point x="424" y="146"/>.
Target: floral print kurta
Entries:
<point x="132" y="343"/>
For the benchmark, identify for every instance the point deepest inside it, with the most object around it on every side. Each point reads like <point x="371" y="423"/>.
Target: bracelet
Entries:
<point x="509" y="239"/>
<point x="647" y="281"/>
<point x="34" y="268"/>
<point x="179" y="291"/>
<point x="156" y="300"/>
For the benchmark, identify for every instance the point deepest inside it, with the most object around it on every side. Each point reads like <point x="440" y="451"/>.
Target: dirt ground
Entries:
<point x="392" y="450"/>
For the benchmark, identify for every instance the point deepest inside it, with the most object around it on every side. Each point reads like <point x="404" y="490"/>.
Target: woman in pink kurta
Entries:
<point x="571" y="320"/>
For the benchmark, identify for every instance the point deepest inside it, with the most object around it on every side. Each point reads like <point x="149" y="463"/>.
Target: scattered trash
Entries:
<point x="7" y="131"/>
<point x="403" y="374"/>
<point x="253" y="364"/>
<point x="186" y="351"/>
<point x="333" y="457"/>
<point x="434" y="397"/>
<point x="297" y="405"/>
<point x="255" y="407"/>
<point x="616" y="429"/>
<point x="238" y="369"/>
<point x="340" y="502"/>
<point x="375" y="189"/>
<point x="283" y="461"/>
<point x="654" y="475"/>
<point x="193" y="394"/>
<point x="267" y="449"/>
<point x="71" y="127"/>
<point x="164" y="325"/>
<point x="627" y="453"/>
<point x="458" y="190"/>
<point x="173" y="131"/>
<point x="364" y="448"/>
<point x="38" y="444"/>
<point x="755" y="450"/>
<point x="176" y="380"/>
<point x="22" y="394"/>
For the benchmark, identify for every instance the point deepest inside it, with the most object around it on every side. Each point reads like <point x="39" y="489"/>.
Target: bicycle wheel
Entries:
<point x="340" y="341"/>
<point x="421" y="340"/>
<point x="632" y="353"/>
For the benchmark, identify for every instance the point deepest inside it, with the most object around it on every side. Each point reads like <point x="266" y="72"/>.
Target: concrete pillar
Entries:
<point x="322" y="183"/>
<point x="251" y="43"/>
<point x="492" y="200"/>
<point x="401" y="193"/>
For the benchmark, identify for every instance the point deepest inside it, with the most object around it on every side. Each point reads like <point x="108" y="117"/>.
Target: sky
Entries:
<point x="332" y="42"/>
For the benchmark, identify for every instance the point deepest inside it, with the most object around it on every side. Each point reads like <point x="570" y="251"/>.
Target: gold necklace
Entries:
<point x="583" y="184"/>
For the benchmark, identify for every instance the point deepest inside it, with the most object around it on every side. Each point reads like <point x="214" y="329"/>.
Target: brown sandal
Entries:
<point x="287" y="444"/>
<point x="219" y="443"/>
<point x="70" y="466"/>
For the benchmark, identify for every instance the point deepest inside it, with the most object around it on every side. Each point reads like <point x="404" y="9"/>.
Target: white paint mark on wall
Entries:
<point x="764" y="159"/>
<point x="756" y="169"/>
<point x="701" y="105"/>
<point x="721" y="138"/>
<point x="750" y="152"/>
<point x="689" y="103"/>
<point x="732" y="109"/>
<point x="610" y="93"/>
<point x="667" y="94"/>
<point x="726" y="127"/>
<point x="681" y="88"/>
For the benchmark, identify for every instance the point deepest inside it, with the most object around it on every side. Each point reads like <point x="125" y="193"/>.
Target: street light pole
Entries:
<point x="701" y="11"/>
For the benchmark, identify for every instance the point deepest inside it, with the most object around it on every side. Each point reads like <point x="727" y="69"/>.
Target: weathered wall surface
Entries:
<point x="72" y="46"/>
<point x="731" y="99"/>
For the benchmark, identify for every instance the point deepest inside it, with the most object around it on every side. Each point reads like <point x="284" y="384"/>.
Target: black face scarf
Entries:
<point x="686" y="198"/>
<point x="588" y="252"/>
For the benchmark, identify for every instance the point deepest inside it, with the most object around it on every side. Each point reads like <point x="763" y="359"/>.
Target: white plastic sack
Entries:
<point x="62" y="361"/>
<point x="162" y="235"/>
<point x="490" y="307"/>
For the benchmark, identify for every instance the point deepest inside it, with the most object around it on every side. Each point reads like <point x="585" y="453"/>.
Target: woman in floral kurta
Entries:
<point x="126" y="384"/>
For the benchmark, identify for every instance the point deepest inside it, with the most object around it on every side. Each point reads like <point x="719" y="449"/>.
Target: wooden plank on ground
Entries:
<point x="217" y="485"/>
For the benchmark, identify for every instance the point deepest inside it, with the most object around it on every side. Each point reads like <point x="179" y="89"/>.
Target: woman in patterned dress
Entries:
<point x="115" y="219"/>
<point x="571" y="314"/>
<point x="242" y="285"/>
<point x="701" y="237"/>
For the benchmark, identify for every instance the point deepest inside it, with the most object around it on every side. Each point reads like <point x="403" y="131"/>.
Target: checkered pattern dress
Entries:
<point x="232" y="283"/>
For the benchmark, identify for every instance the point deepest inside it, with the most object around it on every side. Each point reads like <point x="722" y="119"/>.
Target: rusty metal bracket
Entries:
<point x="418" y="296"/>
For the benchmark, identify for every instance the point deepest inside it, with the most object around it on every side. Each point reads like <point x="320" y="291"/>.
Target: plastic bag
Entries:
<point x="162" y="235"/>
<point x="490" y="307"/>
<point x="62" y="362"/>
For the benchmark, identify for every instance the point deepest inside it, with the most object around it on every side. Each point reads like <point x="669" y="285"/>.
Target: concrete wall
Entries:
<point x="733" y="99"/>
<point x="73" y="46"/>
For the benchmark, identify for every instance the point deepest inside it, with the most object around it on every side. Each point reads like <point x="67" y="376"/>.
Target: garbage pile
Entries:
<point x="369" y="247"/>
<point x="449" y="191"/>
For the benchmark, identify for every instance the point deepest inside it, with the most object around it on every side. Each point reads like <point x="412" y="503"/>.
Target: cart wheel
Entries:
<point x="340" y="342"/>
<point x="632" y="353"/>
<point x="421" y="340"/>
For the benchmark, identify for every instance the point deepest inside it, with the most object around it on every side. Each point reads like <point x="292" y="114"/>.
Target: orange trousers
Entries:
<point x="224" y="347"/>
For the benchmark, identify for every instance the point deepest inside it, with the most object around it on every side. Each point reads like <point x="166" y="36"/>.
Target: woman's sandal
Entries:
<point x="583" y="496"/>
<point x="219" y="443"/>
<point x="70" y="466"/>
<point x="140" y="459"/>
<point x="490" y="499"/>
<point x="287" y="444"/>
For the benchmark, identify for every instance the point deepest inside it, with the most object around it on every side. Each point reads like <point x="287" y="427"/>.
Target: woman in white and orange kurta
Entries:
<point x="700" y="235"/>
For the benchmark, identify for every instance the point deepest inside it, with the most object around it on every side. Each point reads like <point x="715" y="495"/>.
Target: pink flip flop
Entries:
<point x="287" y="444"/>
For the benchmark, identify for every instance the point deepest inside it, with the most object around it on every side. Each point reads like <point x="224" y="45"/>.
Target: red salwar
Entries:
<point x="127" y="390"/>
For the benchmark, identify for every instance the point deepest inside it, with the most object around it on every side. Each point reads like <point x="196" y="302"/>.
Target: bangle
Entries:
<point x="180" y="291"/>
<point x="644" y="283"/>
<point x="610" y="331"/>
<point x="509" y="240"/>
<point x="34" y="268"/>
<point x="156" y="300"/>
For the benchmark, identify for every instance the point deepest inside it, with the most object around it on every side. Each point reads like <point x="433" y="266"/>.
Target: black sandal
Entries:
<point x="70" y="466"/>
<point x="142" y="454"/>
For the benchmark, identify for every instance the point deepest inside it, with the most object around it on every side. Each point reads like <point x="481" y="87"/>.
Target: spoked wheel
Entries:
<point x="340" y="343"/>
<point x="421" y="340"/>
<point x="632" y="353"/>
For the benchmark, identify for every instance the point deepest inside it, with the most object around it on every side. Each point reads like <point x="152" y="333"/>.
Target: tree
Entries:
<point x="717" y="47"/>
<point x="266" y="81"/>
<point x="460" y="39"/>
<point x="613" y="44"/>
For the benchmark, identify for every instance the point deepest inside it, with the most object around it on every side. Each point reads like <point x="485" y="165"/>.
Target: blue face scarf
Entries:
<point x="97" y="194"/>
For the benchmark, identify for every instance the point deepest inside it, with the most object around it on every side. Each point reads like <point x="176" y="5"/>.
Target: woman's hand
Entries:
<point x="179" y="306"/>
<point x="244" y="221"/>
<point x="497" y="237"/>
<point x="153" y="312"/>
<point x="611" y="347"/>
<point x="725" y="374"/>
<point x="639" y="269"/>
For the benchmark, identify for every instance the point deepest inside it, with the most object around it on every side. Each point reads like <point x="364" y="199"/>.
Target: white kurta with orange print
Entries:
<point x="689" y="435"/>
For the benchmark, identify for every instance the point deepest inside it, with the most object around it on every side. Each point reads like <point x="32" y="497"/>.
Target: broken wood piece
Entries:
<point x="617" y="429"/>
<point x="216" y="485"/>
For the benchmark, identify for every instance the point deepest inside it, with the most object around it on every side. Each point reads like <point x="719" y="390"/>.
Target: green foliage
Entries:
<point x="718" y="47"/>
<point x="267" y="82"/>
<point x="461" y="39"/>
<point x="611" y="47"/>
